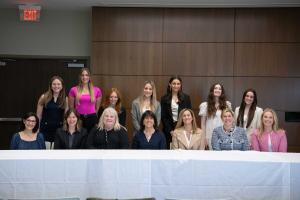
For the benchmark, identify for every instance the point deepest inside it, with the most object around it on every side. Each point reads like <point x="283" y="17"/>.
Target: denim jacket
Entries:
<point x="235" y="139"/>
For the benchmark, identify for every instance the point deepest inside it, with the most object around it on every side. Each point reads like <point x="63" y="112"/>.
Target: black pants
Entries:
<point x="89" y="121"/>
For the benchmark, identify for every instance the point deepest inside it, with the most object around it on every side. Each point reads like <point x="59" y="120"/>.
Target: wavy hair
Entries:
<point x="211" y="102"/>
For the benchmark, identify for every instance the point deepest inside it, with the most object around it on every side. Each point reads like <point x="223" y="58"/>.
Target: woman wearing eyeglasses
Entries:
<point x="28" y="137"/>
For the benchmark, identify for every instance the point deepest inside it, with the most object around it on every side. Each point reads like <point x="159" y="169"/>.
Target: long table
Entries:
<point x="143" y="173"/>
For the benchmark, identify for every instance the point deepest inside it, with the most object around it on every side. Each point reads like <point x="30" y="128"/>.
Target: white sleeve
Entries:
<point x="203" y="109"/>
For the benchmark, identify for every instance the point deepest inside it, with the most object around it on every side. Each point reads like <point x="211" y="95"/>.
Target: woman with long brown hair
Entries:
<point x="210" y="111"/>
<point x="51" y="108"/>
<point x="86" y="99"/>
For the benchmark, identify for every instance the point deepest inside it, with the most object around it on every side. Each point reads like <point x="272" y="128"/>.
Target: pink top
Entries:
<point x="85" y="106"/>
<point x="278" y="140"/>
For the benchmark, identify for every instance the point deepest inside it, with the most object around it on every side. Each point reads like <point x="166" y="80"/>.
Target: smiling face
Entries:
<point x="85" y="77"/>
<point x="148" y="90"/>
<point x="109" y="120"/>
<point x="268" y="120"/>
<point x="30" y="123"/>
<point x="56" y="86"/>
<point x="72" y="120"/>
<point x="148" y="122"/>
<point x="227" y="119"/>
<point x="175" y="85"/>
<point x="217" y="90"/>
<point x="187" y="117"/>
<point x="113" y="99"/>
<point x="249" y="98"/>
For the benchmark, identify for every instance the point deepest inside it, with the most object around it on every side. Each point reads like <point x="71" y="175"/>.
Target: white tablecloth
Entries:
<point x="160" y="174"/>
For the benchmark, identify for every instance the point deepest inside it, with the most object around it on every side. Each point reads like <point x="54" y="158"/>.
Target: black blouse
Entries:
<point x="103" y="139"/>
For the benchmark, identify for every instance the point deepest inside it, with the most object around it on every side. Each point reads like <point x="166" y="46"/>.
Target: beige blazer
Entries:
<point x="179" y="141"/>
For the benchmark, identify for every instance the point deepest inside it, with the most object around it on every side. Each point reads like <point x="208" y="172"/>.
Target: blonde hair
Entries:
<point x="275" y="121"/>
<point x="112" y="111"/>
<point x="180" y="123"/>
<point x="80" y="86"/>
<point x="226" y="111"/>
<point x="153" y="101"/>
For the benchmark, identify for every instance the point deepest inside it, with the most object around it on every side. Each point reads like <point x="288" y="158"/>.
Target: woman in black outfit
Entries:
<point x="71" y="135"/>
<point x="171" y="105"/>
<point x="108" y="134"/>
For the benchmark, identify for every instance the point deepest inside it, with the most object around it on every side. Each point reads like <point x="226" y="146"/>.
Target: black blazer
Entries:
<point x="166" y="112"/>
<point x="61" y="140"/>
<point x="121" y="115"/>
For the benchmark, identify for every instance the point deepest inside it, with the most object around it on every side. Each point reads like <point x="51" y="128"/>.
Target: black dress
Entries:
<point x="52" y="118"/>
<point x="103" y="139"/>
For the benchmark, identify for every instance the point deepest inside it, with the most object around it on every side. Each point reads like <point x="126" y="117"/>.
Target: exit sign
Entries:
<point x="29" y="13"/>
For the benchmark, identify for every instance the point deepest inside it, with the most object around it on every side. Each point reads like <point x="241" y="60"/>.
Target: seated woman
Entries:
<point x="28" y="137"/>
<point x="187" y="135"/>
<point x="229" y="136"/>
<point x="149" y="137"/>
<point x="108" y="134"/>
<point x="269" y="137"/>
<point x="113" y="99"/>
<point x="72" y="135"/>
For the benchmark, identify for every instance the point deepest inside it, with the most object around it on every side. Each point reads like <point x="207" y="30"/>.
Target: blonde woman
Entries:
<point x="86" y="99"/>
<point x="108" y="134"/>
<point x="187" y="135"/>
<point x="269" y="137"/>
<point x="146" y="101"/>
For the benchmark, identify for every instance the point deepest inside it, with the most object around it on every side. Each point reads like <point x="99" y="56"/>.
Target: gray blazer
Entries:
<point x="137" y="115"/>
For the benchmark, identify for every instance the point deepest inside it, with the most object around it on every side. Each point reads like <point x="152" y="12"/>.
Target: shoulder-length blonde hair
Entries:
<point x="180" y="123"/>
<point x="112" y="111"/>
<point x="153" y="100"/>
<point x="274" y="125"/>
<point x="80" y="86"/>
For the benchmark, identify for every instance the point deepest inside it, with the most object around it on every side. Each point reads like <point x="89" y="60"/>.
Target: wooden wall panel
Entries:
<point x="267" y="59"/>
<point x="199" y="25"/>
<point x="127" y="58"/>
<point x="278" y="93"/>
<point x="199" y="59"/>
<point x="267" y="25"/>
<point x="127" y="24"/>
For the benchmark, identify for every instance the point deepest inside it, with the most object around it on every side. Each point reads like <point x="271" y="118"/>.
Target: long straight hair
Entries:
<point x="153" y="100"/>
<point x="169" y="89"/>
<point x="48" y="96"/>
<point x="274" y="125"/>
<point x="240" y="118"/>
<point x="180" y="123"/>
<point x="80" y="86"/>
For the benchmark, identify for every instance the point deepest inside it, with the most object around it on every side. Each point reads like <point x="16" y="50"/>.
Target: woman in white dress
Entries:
<point x="248" y="114"/>
<point x="210" y="111"/>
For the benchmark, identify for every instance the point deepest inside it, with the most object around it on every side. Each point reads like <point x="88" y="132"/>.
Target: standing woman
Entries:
<point x="269" y="137"/>
<point x="149" y="137"/>
<point x="229" y="136"/>
<point x="187" y="135"/>
<point x="146" y="101"/>
<point x="86" y="99"/>
<point x="28" y="137"/>
<point x="51" y="108"/>
<point x="210" y="111"/>
<point x="72" y="135"/>
<point x="113" y="99"/>
<point x="248" y="114"/>
<point x="108" y="134"/>
<point x="171" y="105"/>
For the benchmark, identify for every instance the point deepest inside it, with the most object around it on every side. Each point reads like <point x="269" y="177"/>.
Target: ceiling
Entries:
<point x="87" y="4"/>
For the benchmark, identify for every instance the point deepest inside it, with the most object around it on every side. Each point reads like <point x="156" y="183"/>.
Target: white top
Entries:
<point x="174" y="108"/>
<point x="255" y="121"/>
<point x="211" y="122"/>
